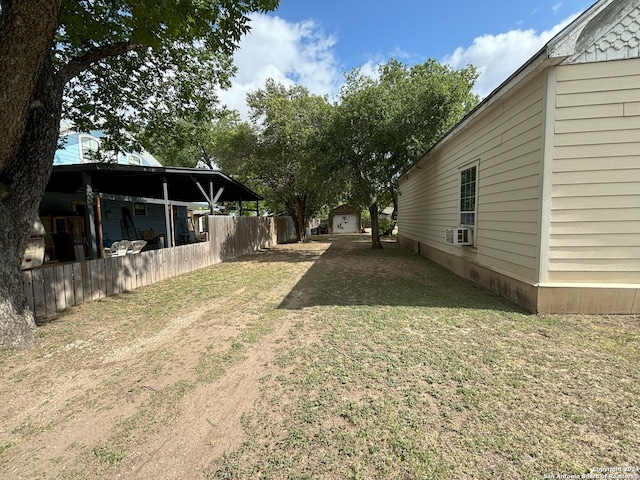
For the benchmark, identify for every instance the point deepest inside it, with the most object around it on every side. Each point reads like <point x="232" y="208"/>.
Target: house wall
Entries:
<point x="112" y="215"/>
<point x="70" y="152"/>
<point x="595" y="205"/>
<point x="582" y="253"/>
<point x="506" y="141"/>
<point x="588" y="220"/>
<point x="60" y="203"/>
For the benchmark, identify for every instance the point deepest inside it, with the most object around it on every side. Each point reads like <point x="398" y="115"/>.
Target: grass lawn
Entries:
<point x="372" y="364"/>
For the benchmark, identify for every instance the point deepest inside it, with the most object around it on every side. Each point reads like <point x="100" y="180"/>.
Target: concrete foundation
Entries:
<point x="574" y="298"/>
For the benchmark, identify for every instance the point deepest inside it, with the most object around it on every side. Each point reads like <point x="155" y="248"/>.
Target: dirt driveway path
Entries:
<point x="150" y="384"/>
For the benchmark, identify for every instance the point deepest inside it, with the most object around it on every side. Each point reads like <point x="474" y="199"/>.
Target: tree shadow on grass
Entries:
<point x="350" y="273"/>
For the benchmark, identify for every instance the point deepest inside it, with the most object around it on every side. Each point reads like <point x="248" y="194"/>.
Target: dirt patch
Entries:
<point x="110" y="392"/>
<point x="209" y="423"/>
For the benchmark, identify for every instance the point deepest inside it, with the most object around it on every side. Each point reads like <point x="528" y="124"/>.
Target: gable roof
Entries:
<point x="608" y="30"/>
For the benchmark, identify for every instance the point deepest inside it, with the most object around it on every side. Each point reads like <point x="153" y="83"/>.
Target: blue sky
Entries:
<point x="315" y="42"/>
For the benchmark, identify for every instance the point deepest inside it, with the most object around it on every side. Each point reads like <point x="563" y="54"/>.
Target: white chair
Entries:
<point x="119" y="249"/>
<point x="137" y="246"/>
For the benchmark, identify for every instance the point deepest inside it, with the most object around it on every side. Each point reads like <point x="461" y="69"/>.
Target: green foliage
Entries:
<point x="181" y="147"/>
<point x="108" y="457"/>
<point x="191" y="143"/>
<point x="386" y="124"/>
<point x="6" y="446"/>
<point x="291" y="161"/>
<point x="140" y="65"/>
<point x="231" y="145"/>
<point x="113" y="65"/>
<point x="385" y="225"/>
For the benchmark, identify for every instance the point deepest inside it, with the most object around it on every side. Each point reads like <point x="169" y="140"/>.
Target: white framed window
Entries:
<point x="89" y="148"/>
<point x="468" y="195"/>
<point x="139" y="208"/>
<point x="133" y="159"/>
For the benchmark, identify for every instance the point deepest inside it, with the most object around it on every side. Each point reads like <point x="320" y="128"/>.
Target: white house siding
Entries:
<point x="506" y="139"/>
<point x="595" y="206"/>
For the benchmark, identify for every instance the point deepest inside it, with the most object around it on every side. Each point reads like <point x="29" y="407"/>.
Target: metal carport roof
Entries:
<point x="148" y="182"/>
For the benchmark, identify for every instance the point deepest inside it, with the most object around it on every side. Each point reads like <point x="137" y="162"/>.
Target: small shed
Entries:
<point x="345" y="219"/>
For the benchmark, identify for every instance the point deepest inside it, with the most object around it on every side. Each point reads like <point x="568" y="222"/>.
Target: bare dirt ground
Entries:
<point x="147" y="389"/>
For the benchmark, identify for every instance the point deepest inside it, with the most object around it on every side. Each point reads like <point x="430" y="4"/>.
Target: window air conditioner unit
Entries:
<point x="458" y="236"/>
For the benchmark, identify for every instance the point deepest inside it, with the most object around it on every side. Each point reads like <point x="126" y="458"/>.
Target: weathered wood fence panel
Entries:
<point x="51" y="289"/>
<point x="286" y="230"/>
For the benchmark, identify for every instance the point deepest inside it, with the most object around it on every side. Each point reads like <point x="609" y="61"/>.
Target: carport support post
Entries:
<point x="167" y="212"/>
<point x="89" y="216"/>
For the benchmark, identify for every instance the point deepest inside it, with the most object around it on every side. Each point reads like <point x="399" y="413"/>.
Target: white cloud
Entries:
<point x="372" y="68"/>
<point x="301" y="53"/>
<point x="290" y="53"/>
<point x="499" y="56"/>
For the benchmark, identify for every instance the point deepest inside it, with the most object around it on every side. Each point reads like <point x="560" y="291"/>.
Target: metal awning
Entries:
<point x="183" y="184"/>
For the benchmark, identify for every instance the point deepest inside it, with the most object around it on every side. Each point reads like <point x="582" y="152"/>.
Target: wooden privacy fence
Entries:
<point x="286" y="230"/>
<point x="51" y="289"/>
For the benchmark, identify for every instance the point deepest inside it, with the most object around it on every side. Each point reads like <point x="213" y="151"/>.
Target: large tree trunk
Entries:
<point x="293" y="213"/>
<point x="26" y="178"/>
<point x="301" y="224"/>
<point x="376" y="244"/>
<point x="27" y="28"/>
<point x="298" y="215"/>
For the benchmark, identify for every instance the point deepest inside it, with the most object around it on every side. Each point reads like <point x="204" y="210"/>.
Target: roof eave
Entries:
<point x="560" y="47"/>
<point x="538" y="62"/>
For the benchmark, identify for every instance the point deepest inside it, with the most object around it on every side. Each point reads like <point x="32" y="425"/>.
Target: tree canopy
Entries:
<point x="291" y="161"/>
<point x="302" y="152"/>
<point x="175" y="56"/>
